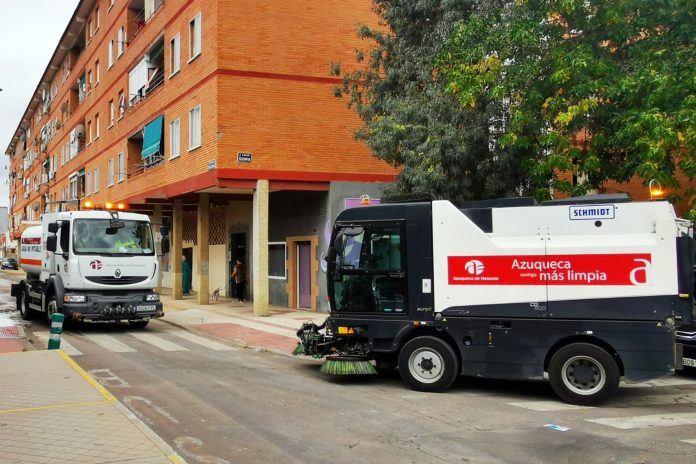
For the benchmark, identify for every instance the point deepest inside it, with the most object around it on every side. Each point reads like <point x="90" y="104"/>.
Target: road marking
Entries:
<point x="547" y="406"/>
<point x="104" y="392"/>
<point x="129" y="400"/>
<point x="671" y="381"/>
<point x="64" y="344"/>
<point x="653" y="420"/>
<point x="110" y="343"/>
<point x="106" y="377"/>
<point x="213" y="345"/>
<point x="691" y="442"/>
<point x="159" y="342"/>
<point x="184" y="443"/>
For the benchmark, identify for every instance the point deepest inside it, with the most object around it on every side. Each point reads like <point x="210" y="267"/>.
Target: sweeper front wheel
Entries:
<point x="428" y="364"/>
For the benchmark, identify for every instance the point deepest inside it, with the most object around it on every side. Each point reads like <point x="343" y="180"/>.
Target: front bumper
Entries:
<point x="130" y="307"/>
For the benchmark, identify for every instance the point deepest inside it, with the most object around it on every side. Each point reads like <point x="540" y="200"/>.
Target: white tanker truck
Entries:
<point x="90" y="266"/>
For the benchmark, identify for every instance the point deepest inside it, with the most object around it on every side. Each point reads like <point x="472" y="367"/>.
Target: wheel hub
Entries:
<point x="583" y="375"/>
<point x="426" y="365"/>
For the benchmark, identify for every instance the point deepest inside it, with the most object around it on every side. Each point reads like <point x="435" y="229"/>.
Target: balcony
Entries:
<point x="148" y="74"/>
<point x="140" y="12"/>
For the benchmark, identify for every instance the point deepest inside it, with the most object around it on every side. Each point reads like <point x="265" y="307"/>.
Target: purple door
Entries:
<point x="304" y="278"/>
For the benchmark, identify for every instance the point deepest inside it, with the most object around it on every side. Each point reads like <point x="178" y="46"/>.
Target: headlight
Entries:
<point x="152" y="297"/>
<point x="69" y="298"/>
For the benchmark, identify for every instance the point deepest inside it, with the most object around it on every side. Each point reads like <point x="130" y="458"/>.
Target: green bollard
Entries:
<point x="56" y="329"/>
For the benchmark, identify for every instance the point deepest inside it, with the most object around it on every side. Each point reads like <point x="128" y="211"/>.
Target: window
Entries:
<point x="121" y="39"/>
<point x="96" y="72"/>
<point x="121" y="104"/>
<point x="96" y="126"/>
<point x="276" y="260"/>
<point x="111" y="173"/>
<point x="111" y="4"/>
<point x="88" y="189"/>
<point x="112" y="112"/>
<point x="195" y="37"/>
<point x="195" y="127"/>
<point x="174" y="55"/>
<point x="121" y="167"/>
<point x="110" y="53"/>
<point x="175" y="138"/>
<point x="96" y="19"/>
<point x="90" y="33"/>
<point x="89" y="131"/>
<point x="96" y="180"/>
<point x="137" y="81"/>
<point x="73" y="187"/>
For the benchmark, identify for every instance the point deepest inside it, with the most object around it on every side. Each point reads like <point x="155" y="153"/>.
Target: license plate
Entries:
<point x="688" y="362"/>
<point x="145" y="308"/>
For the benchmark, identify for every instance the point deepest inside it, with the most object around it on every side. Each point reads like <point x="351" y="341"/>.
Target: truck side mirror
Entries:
<point x="53" y="228"/>
<point x="165" y="245"/>
<point x="164" y="231"/>
<point x="51" y="241"/>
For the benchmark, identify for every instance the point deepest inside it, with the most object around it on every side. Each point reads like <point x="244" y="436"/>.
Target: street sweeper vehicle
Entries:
<point x="584" y="291"/>
<point x="91" y="266"/>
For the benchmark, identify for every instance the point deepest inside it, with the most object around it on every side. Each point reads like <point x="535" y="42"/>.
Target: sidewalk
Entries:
<point x="52" y="411"/>
<point x="235" y="322"/>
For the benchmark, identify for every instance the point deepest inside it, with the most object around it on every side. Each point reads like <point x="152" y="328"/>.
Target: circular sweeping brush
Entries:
<point x="347" y="365"/>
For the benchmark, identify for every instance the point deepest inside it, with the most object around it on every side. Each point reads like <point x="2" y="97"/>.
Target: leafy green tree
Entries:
<point x="605" y="89"/>
<point x="411" y="120"/>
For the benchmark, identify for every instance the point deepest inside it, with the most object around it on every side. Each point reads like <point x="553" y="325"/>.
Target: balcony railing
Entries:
<point x="140" y="21"/>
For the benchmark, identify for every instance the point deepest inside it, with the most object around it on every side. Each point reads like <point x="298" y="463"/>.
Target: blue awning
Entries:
<point x="152" y="138"/>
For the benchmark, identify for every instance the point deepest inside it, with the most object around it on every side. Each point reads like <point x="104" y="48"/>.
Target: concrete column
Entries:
<point x="175" y="253"/>
<point x="203" y="265"/>
<point x="156" y="223"/>
<point x="259" y="239"/>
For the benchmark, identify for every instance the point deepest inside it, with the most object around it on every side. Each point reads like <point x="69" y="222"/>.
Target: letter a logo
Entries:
<point x="641" y="274"/>
<point x="474" y="267"/>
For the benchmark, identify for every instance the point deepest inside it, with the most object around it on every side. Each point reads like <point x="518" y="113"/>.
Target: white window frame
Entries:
<point x="96" y="126"/>
<point x="110" y="54"/>
<point x="96" y="180"/>
<point x="175" y="124"/>
<point x="88" y="183"/>
<point x="285" y="268"/>
<point x="111" y="173"/>
<point x="191" y="145"/>
<point x="195" y="36"/>
<point x="121" y="167"/>
<point x="121" y="41"/>
<point x="96" y="72"/>
<point x="175" y="55"/>
<point x="112" y="113"/>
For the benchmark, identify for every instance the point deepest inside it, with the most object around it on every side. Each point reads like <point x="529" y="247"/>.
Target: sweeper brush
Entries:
<point x="347" y="365"/>
<point x="299" y="349"/>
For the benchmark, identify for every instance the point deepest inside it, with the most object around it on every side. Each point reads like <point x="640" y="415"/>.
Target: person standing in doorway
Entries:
<point x="239" y="276"/>
<point x="185" y="276"/>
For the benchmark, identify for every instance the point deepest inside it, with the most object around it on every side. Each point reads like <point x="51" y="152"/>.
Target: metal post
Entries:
<point x="56" y="329"/>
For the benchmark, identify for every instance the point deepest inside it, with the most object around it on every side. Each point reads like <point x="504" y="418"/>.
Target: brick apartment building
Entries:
<point x="216" y="117"/>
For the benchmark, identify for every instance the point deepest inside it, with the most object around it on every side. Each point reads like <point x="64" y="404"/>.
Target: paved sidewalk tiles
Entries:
<point x="52" y="411"/>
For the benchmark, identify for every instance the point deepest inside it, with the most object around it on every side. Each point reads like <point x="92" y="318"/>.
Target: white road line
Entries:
<point x="64" y="344"/>
<point x="213" y="345"/>
<point x="691" y="442"/>
<point x="653" y="420"/>
<point x="671" y="381"/>
<point x="159" y="342"/>
<point x="547" y="406"/>
<point x="110" y="343"/>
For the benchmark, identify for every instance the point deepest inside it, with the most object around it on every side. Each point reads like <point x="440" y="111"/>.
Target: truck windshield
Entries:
<point x="95" y="236"/>
<point x="368" y="270"/>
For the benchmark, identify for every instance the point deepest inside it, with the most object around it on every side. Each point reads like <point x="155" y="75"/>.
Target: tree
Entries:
<point x="411" y="120"/>
<point x="603" y="89"/>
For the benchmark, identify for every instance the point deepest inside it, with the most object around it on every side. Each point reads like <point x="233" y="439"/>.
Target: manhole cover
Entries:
<point x="9" y="332"/>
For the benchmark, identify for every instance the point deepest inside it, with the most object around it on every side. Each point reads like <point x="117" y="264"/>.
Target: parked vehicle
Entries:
<point x="91" y="266"/>
<point x="585" y="290"/>
<point x="8" y="263"/>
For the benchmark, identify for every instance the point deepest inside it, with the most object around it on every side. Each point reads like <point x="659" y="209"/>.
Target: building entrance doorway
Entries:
<point x="303" y="267"/>
<point x="304" y="276"/>
<point x="238" y="250"/>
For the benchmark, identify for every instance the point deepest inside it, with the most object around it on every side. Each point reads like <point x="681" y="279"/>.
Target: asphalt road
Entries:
<point x="217" y="403"/>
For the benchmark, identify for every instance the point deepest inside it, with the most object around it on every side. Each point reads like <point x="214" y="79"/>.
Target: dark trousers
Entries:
<point x="239" y="288"/>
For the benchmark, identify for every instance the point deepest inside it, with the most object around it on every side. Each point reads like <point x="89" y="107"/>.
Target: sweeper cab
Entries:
<point x="586" y="291"/>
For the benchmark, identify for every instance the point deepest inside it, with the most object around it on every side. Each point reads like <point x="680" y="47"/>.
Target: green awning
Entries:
<point x="152" y="138"/>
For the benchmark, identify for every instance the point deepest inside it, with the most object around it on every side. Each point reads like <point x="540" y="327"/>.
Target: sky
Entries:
<point x="28" y="37"/>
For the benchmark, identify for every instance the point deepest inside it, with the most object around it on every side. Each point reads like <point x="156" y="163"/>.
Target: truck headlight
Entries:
<point x="152" y="297"/>
<point x="70" y="298"/>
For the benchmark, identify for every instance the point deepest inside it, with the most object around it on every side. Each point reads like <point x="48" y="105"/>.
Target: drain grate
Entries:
<point x="9" y="332"/>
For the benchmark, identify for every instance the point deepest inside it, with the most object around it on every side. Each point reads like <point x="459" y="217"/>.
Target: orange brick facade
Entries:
<point x="261" y="80"/>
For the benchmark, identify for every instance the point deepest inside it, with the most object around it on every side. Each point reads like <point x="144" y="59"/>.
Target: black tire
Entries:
<point x="428" y="364"/>
<point x="138" y="324"/>
<point x="584" y="374"/>
<point x="23" y="306"/>
<point x="51" y="307"/>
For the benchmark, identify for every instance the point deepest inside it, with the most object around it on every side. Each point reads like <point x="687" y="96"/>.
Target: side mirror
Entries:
<point x="51" y="241"/>
<point x="53" y="228"/>
<point x="165" y="245"/>
<point x="164" y="231"/>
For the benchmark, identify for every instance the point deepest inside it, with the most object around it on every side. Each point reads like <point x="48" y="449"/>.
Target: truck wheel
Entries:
<point x="584" y="374"/>
<point x="51" y="308"/>
<point x="138" y="324"/>
<point x="23" y="305"/>
<point x="428" y="364"/>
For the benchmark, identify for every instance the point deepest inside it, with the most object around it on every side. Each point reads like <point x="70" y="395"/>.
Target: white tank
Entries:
<point x="31" y="251"/>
